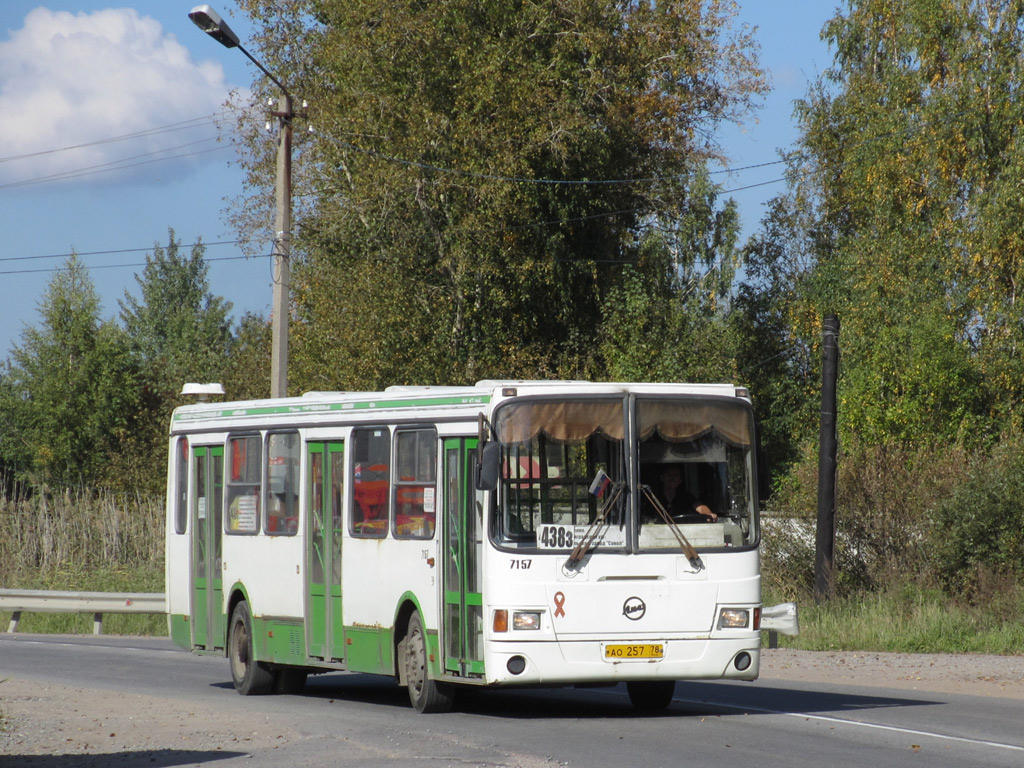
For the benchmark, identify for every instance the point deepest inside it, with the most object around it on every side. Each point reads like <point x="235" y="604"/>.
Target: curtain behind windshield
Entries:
<point x="553" y="452"/>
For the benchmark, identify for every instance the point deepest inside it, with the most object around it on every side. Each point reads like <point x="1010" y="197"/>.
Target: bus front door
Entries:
<point x="325" y="634"/>
<point x="462" y="624"/>
<point x="208" y="621"/>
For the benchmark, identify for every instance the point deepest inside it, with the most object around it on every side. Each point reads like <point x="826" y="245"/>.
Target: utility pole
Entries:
<point x="282" y="249"/>
<point x="825" y="541"/>
<point x="208" y="20"/>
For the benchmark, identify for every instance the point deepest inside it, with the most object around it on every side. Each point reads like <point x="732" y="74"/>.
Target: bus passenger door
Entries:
<point x="208" y="621"/>
<point x="462" y="532"/>
<point x="325" y="634"/>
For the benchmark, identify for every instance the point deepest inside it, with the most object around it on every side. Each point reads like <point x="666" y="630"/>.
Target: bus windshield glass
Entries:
<point x="563" y="469"/>
<point x="696" y="470"/>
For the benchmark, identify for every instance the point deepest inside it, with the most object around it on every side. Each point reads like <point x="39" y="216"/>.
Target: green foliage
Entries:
<point x="979" y="529"/>
<point x="433" y="246"/>
<point x="908" y="175"/>
<point x="82" y="540"/>
<point x="247" y="374"/>
<point x="771" y="359"/>
<point x="884" y="502"/>
<point x="909" y="619"/>
<point x="68" y="391"/>
<point x="177" y="331"/>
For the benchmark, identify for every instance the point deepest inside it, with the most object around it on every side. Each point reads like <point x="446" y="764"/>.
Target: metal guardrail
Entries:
<point x="96" y="603"/>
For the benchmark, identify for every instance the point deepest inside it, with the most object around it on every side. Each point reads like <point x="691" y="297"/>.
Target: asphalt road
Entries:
<point x="107" y="701"/>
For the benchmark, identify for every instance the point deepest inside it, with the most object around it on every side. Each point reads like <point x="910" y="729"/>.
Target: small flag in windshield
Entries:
<point x="600" y="484"/>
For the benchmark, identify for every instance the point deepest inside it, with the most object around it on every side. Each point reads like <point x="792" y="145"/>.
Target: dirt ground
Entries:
<point x="46" y="719"/>
<point x="975" y="675"/>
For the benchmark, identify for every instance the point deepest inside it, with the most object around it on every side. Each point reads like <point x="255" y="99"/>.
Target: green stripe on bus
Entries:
<point x="328" y="407"/>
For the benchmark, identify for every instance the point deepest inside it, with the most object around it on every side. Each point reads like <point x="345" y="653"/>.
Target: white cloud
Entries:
<point x="71" y="79"/>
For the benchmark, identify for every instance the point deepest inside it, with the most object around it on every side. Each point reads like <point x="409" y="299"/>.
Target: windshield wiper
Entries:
<point x="687" y="547"/>
<point x="587" y="541"/>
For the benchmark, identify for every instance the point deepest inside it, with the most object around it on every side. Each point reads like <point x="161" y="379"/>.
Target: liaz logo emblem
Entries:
<point x="634" y="608"/>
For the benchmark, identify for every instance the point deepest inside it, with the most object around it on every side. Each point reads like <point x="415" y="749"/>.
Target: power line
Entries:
<point x="171" y="127"/>
<point x="117" y="165"/>
<point x="122" y="163"/>
<point x="91" y="267"/>
<point x="117" y="251"/>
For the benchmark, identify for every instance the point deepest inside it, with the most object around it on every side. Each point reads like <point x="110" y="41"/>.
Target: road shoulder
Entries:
<point x="969" y="674"/>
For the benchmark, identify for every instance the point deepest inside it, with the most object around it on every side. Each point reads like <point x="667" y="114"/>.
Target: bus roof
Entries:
<point x="455" y="401"/>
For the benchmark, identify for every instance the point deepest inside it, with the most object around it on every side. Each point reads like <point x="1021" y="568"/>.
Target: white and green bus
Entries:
<point x="510" y="533"/>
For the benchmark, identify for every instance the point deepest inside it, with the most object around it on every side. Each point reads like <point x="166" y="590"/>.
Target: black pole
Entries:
<point x="825" y="542"/>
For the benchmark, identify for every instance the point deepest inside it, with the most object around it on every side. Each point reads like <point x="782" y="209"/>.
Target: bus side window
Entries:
<point x="371" y="482"/>
<point x="416" y="483"/>
<point x="282" y="502"/>
<point x="245" y="462"/>
<point x="181" y="486"/>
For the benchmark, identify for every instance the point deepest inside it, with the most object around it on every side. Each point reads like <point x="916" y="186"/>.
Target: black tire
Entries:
<point x="425" y="694"/>
<point x="290" y="680"/>
<point x="251" y="677"/>
<point x="651" y="695"/>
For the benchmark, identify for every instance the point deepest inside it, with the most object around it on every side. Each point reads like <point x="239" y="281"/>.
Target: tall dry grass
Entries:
<point x="77" y="531"/>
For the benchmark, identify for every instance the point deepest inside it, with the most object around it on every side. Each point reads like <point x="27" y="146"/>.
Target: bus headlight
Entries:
<point x="526" y="620"/>
<point x="734" y="618"/>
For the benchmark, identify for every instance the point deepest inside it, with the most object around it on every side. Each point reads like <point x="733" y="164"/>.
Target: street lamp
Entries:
<point x="212" y="24"/>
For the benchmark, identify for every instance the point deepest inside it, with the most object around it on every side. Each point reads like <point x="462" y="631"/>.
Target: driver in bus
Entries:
<point x="675" y="497"/>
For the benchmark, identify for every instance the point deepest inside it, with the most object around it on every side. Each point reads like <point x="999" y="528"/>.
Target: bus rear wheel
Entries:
<point x="251" y="677"/>
<point x="651" y="695"/>
<point x="425" y="694"/>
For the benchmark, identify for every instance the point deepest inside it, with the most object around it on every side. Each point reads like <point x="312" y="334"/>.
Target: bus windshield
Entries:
<point x="565" y="474"/>
<point x="553" y="452"/>
<point x="696" y="473"/>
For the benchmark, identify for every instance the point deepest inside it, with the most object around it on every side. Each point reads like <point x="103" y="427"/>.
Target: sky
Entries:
<point x="109" y="138"/>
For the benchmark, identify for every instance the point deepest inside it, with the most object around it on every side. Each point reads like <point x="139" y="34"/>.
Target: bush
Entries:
<point x="883" y="527"/>
<point x="977" y="536"/>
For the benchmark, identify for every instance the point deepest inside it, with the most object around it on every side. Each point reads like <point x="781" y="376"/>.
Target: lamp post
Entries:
<point x="212" y="24"/>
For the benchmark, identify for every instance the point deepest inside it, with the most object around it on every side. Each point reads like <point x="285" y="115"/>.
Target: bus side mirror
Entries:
<point x="487" y="467"/>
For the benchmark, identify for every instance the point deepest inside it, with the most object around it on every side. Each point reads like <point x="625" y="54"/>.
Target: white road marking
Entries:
<point x="860" y="724"/>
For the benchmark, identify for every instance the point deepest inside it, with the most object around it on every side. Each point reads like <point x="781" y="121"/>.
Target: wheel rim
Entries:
<point x="416" y="662"/>
<point x="240" y="651"/>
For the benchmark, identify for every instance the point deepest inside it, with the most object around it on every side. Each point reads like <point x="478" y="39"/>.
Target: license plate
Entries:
<point x="635" y="651"/>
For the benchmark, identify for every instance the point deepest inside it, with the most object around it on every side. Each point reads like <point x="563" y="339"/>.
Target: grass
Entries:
<point x="82" y="540"/>
<point x="910" y="620"/>
<point x="99" y="580"/>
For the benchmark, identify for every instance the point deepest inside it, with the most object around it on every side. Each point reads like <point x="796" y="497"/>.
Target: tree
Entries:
<point x="666" y="319"/>
<point x="910" y="159"/>
<point x="68" y="389"/>
<point x="771" y="359"/>
<point x="177" y="331"/>
<point x="246" y="377"/>
<point x="486" y="177"/>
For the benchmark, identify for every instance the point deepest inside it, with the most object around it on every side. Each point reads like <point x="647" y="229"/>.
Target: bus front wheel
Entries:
<point x="425" y="694"/>
<point x="250" y="677"/>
